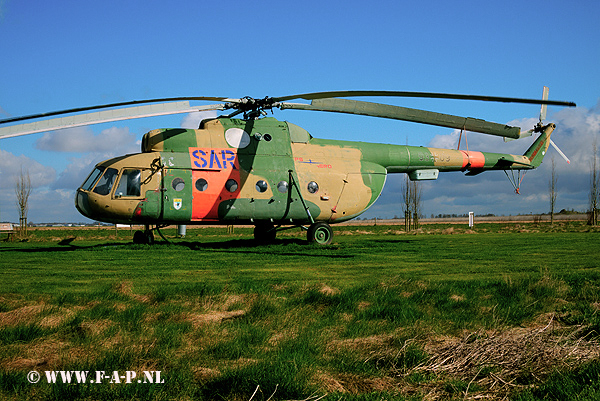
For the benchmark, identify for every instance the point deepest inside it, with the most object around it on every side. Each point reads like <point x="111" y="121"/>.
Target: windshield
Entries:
<point x="91" y="180"/>
<point x="105" y="183"/>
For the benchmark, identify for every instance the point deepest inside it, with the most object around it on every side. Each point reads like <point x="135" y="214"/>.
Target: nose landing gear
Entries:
<point x="320" y="233"/>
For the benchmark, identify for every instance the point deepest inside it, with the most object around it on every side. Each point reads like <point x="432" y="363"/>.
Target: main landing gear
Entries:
<point x="145" y="237"/>
<point x="265" y="232"/>
<point x="319" y="233"/>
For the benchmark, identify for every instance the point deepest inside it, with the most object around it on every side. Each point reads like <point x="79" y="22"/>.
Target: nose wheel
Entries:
<point x="320" y="233"/>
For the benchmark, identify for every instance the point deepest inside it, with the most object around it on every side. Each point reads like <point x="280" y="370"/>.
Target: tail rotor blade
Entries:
<point x="560" y="152"/>
<point x="544" y="108"/>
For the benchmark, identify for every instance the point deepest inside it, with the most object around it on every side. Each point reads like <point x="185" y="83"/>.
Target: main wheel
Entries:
<point x="320" y="233"/>
<point x="143" y="237"/>
<point x="265" y="232"/>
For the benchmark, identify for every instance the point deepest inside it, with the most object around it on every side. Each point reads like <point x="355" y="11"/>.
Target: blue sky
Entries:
<point x="63" y="54"/>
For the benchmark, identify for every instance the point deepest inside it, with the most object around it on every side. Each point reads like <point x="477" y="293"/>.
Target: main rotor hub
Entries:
<point x="251" y="107"/>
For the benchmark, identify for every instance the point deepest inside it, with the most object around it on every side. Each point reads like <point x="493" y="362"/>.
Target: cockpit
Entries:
<point x="115" y="187"/>
<point x="101" y="181"/>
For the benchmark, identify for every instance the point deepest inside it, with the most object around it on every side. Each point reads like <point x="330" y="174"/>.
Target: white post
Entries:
<point x="471" y="218"/>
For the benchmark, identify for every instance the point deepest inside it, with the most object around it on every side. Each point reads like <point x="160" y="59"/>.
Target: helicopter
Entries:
<point x="257" y="170"/>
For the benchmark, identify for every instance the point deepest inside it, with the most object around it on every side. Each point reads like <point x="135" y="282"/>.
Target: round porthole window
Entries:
<point x="178" y="184"/>
<point x="237" y="138"/>
<point x="201" y="184"/>
<point x="282" y="187"/>
<point x="313" y="187"/>
<point x="261" y="186"/>
<point x="231" y="185"/>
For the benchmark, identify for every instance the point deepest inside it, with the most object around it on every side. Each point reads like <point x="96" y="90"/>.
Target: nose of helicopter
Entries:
<point x="82" y="203"/>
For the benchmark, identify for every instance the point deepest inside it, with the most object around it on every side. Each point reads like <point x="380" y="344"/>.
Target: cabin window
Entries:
<point x="231" y="185"/>
<point x="105" y="183"/>
<point x="201" y="184"/>
<point x="92" y="178"/>
<point x="313" y="187"/>
<point x="129" y="183"/>
<point x="178" y="184"/>
<point x="261" y="186"/>
<point x="282" y="186"/>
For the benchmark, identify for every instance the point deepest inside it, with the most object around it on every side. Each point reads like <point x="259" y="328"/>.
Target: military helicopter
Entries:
<point x="257" y="170"/>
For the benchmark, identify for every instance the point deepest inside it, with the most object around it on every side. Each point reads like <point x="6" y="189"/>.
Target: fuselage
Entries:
<point x="232" y="171"/>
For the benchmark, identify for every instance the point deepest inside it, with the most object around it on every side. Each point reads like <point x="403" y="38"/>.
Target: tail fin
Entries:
<point x="537" y="151"/>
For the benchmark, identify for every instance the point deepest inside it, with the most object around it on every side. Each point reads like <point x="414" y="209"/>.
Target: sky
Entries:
<point x="65" y="54"/>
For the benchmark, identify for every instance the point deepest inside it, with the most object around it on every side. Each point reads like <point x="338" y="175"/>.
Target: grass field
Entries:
<point x="504" y="310"/>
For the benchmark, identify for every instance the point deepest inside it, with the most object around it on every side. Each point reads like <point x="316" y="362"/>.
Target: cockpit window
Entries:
<point x="92" y="178"/>
<point x="129" y="183"/>
<point x="106" y="182"/>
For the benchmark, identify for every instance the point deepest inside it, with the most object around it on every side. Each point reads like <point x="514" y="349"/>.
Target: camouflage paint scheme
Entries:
<point x="210" y="175"/>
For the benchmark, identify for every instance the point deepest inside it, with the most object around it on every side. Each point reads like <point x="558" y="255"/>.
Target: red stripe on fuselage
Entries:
<point x="472" y="159"/>
<point x="215" y="167"/>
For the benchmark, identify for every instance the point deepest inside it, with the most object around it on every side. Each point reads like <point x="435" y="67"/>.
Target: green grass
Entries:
<point x="361" y="319"/>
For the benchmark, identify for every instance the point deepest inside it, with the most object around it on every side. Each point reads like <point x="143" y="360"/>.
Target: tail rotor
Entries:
<point x="539" y="127"/>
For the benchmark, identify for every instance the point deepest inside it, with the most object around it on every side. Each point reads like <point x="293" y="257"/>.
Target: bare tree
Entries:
<point x="23" y="190"/>
<point x="553" y="179"/>
<point x="406" y="203"/>
<point x="411" y="203"/>
<point x="415" y="201"/>
<point x="594" y="186"/>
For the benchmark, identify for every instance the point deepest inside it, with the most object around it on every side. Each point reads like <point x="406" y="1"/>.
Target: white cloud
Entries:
<point x="77" y="170"/>
<point x="11" y="166"/>
<point x="82" y="139"/>
<point x="192" y="120"/>
<point x="10" y="170"/>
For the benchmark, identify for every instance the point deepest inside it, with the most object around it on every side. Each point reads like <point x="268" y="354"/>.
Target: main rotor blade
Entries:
<point x="111" y="105"/>
<point x="98" y="117"/>
<point x="406" y="114"/>
<point x="429" y="95"/>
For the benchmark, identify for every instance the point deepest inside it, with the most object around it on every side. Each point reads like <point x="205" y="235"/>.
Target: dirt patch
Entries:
<point x="354" y="384"/>
<point x="213" y="317"/>
<point x="500" y="362"/>
<point x="24" y="315"/>
<point x="126" y="288"/>
<point x="327" y="290"/>
<point x="457" y="298"/>
<point x="362" y="343"/>
<point x="486" y="364"/>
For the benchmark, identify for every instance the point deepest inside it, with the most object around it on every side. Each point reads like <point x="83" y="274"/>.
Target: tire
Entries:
<point x="143" y="237"/>
<point x="320" y="233"/>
